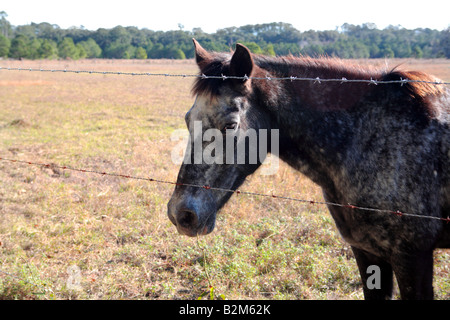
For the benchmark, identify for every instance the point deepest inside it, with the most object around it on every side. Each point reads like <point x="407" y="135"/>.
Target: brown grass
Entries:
<point x="115" y="232"/>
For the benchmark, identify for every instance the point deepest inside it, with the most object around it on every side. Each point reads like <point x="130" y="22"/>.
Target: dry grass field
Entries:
<point x="73" y="235"/>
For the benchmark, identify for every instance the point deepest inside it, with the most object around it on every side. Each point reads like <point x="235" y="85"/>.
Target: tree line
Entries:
<point x="49" y="41"/>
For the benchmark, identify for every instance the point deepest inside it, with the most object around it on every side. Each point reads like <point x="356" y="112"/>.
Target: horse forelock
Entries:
<point x="217" y="66"/>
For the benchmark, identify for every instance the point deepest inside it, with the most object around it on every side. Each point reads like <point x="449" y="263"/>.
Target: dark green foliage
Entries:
<point x="92" y="49"/>
<point x="67" y="49"/>
<point x="5" y="45"/>
<point x="19" y="47"/>
<point x="46" y="41"/>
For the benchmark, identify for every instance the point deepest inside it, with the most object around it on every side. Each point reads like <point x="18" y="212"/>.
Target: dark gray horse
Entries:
<point x="384" y="146"/>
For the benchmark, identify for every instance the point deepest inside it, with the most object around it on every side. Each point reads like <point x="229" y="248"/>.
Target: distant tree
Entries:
<point x="198" y="32"/>
<point x="19" y="47"/>
<point x="48" y="31"/>
<point x="119" y="43"/>
<point x="67" y="49"/>
<point x="141" y="53"/>
<point x="120" y="36"/>
<point x="402" y="49"/>
<point x="33" y="48"/>
<point x="445" y="43"/>
<point x="5" y="44"/>
<point x="176" y="54"/>
<point x="417" y="51"/>
<point x="374" y="50"/>
<point x="5" y="26"/>
<point x="156" y="51"/>
<point x="119" y="50"/>
<point x="101" y="37"/>
<point x="48" y="49"/>
<point x="347" y="41"/>
<point x="130" y="52"/>
<point x="148" y="46"/>
<point x="82" y="53"/>
<point x="313" y="50"/>
<point x="285" y="48"/>
<point x="269" y="50"/>
<point x="91" y="48"/>
<point x="361" y="51"/>
<point x="387" y="52"/>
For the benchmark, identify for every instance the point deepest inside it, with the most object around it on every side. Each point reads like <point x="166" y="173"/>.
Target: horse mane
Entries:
<point x="284" y="66"/>
<point x="422" y="89"/>
<point x="323" y="67"/>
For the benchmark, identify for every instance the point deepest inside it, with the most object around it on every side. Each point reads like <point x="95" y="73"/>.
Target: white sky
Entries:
<point x="211" y="15"/>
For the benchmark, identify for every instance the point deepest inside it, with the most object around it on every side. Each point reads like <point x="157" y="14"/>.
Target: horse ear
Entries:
<point x="200" y="53"/>
<point x="242" y="62"/>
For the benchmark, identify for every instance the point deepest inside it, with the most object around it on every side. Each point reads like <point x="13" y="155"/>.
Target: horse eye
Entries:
<point x="229" y="126"/>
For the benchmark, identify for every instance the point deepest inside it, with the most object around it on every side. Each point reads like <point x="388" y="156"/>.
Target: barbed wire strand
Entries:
<point x="237" y="192"/>
<point x="224" y="77"/>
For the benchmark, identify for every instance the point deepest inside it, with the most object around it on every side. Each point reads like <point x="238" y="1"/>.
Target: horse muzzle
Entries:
<point x="191" y="216"/>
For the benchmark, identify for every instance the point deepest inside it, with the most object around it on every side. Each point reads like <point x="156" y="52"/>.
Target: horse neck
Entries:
<point x="316" y="120"/>
<point x="316" y="143"/>
<point x="317" y="95"/>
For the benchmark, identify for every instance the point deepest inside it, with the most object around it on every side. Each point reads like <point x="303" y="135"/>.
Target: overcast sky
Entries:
<point x="212" y="15"/>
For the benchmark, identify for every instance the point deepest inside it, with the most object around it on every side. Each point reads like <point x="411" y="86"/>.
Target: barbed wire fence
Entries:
<point x="225" y="77"/>
<point x="237" y="192"/>
<point x="317" y="80"/>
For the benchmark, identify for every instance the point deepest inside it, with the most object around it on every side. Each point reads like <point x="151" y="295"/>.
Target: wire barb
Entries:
<point x="372" y="81"/>
<point x="398" y="213"/>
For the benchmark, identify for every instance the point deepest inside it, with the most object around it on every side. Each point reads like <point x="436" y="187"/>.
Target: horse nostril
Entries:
<point x="187" y="219"/>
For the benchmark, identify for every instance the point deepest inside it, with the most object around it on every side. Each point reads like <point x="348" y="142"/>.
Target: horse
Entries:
<point x="383" y="143"/>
